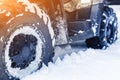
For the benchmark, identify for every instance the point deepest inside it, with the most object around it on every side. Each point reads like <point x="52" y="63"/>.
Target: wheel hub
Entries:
<point x="22" y="50"/>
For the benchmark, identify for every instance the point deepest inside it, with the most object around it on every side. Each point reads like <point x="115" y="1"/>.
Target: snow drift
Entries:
<point x="85" y="65"/>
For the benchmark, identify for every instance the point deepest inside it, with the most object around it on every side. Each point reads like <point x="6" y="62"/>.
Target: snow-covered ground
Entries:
<point x="84" y="65"/>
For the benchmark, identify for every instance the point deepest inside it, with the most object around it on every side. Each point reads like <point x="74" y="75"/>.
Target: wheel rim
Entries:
<point x="15" y="62"/>
<point x="22" y="50"/>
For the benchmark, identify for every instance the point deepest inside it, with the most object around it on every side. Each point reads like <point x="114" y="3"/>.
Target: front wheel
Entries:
<point x="108" y="30"/>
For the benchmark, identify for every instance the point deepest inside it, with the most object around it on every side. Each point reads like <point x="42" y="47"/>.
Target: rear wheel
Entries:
<point x="25" y="44"/>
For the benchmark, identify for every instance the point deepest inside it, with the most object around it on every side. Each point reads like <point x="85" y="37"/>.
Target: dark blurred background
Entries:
<point x="114" y="2"/>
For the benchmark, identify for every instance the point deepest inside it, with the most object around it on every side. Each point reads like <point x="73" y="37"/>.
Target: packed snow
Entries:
<point x="84" y="65"/>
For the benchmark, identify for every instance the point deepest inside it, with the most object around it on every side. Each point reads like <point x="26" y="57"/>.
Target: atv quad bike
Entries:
<point x="30" y="30"/>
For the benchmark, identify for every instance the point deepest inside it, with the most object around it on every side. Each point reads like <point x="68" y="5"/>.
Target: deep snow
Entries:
<point x="84" y="65"/>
